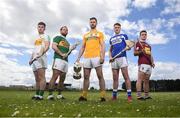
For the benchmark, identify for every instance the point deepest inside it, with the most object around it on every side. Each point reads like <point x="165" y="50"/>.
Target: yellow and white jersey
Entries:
<point x="39" y="44"/>
<point x="92" y="40"/>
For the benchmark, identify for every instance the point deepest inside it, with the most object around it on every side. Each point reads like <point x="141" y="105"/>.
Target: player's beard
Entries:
<point x="64" y="34"/>
<point x="93" y="26"/>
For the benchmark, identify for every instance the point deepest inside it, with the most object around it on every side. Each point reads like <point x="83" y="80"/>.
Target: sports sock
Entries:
<point x="146" y="94"/>
<point x="114" y="93"/>
<point x="84" y="94"/>
<point x="102" y="93"/>
<point x="37" y="92"/>
<point x="138" y="93"/>
<point x="41" y="93"/>
<point x="129" y="92"/>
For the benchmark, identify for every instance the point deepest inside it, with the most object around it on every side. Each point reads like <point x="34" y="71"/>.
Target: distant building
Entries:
<point x="66" y="86"/>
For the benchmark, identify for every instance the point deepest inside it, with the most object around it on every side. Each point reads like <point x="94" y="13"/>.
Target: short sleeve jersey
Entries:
<point x="39" y="43"/>
<point x="146" y="57"/>
<point x="92" y="41"/>
<point x="118" y="44"/>
<point x="63" y="46"/>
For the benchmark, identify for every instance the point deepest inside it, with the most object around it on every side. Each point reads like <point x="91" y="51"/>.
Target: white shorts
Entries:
<point x="119" y="63"/>
<point x="147" y="69"/>
<point x="40" y="63"/>
<point x="91" y="62"/>
<point x="60" y="65"/>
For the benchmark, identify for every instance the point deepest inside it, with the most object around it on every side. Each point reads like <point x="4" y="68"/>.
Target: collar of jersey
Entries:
<point x="62" y="36"/>
<point x="94" y="30"/>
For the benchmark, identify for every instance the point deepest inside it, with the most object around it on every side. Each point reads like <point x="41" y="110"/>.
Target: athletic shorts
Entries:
<point x="119" y="63"/>
<point x="145" y="68"/>
<point x="40" y="63"/>
<point x="91" y="62"/>
<point x="60" y="65"/>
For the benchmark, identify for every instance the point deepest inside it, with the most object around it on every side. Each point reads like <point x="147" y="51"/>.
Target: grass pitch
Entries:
<point x="19" y="104"/>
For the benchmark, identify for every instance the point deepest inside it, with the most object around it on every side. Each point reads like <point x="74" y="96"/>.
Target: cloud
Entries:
<point x="159" y="72"/>
<point x="13" y="73"/>
<point x="19" y="18"/>
<point x="166" y="70"/>
<point x="160" y="30"/>
<point x="18" y="31"/>
<point x="8" y="51"/>
<point x="143" y="4"/>
<point x="172" y="7"/>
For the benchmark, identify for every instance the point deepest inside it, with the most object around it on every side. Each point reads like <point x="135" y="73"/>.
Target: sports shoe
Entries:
<point x="82" y="98"/>
<point x="141" y="98"/>
<point x="147" y="97"/>
<point x="50" y="97"/>
<point x="114" y="98"/>
<point x="60" y="97"/>
<point x="39" y="98"/>
<point x="102" y="99"/>
<point x="129" y="98"/>
<point x="34" y="97"/>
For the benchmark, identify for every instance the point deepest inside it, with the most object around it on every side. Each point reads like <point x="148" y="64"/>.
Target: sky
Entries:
<point x="18" y="29"/>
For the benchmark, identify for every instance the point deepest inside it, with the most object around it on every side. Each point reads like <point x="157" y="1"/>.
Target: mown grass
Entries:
<point x="19" y="104"/>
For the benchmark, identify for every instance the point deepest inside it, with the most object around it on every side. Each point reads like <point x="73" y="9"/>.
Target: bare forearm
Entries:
<point x="81" y="52"/>
<point x="102" y="50"/>
<point x="110" y="54"/>
<point x="47" y="44"/>
<point x="57" y="50"/>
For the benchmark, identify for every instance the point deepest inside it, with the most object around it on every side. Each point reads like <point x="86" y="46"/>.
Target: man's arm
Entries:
<point x="137" y="52"/>
<point x="102" y="53"/>
<point x="55" y="48"/>
<point x="47" y="44"/>
<point x="30" y="61"/>
<point x="81" y="52"/>
<point x="110" y="54"/>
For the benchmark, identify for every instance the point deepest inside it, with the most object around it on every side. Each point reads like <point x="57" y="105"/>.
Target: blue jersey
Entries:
<point x="118" y="44"/>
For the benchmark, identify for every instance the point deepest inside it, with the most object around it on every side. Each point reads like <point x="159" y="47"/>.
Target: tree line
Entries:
<point x="159" y="85"/>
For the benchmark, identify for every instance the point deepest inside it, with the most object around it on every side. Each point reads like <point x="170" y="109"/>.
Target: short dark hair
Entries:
<point x="117" y="24"/>
<point x="42" y="23"/>
<point x="142" y="32"/>
<point x="93" y="18"/>
<point x="63" y="27"/>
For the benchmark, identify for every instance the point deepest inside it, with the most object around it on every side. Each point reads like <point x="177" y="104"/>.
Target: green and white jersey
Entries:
<point x="63" y="46"/>
<point x="39" y="44"/>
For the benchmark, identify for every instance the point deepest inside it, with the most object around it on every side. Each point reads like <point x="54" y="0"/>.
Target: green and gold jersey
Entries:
<point x="63" y="46"/>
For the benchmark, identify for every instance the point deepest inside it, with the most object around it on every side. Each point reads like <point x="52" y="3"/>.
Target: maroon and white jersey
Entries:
<point x="144" y="58"/>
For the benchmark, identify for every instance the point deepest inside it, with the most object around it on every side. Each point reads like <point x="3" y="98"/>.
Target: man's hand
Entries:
<point x="153" y="65"/>
<point x="78" y="59"/>
<point x="128" y="48"/>
<point x="30" y="62"/>
<point x="101" y="60"/>
<point x="111" y="60"/>
<point x="72" y="47"/>
<point x="64" y="55"/>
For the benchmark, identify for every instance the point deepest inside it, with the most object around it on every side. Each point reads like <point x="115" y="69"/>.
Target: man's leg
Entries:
<point x="140" y="79"/>
<point x="87" y="72"/>
<point x="52" y="83"/>
<point x="115" y="73"/>
<point x="61" y="85"/>
<point x="125" y="74"/>
<point x="37" y="85"/>
<point x="101" y="82"/>
<point x="41" y="76"/>
<point x="146" y="87"/>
